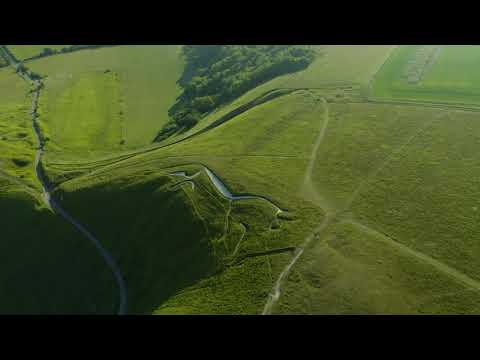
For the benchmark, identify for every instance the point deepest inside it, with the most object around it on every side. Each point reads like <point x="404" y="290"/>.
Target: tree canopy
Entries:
<point x="217" y="74"/>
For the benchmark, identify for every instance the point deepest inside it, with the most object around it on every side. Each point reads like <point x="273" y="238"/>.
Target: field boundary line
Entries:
<point x="440" y="266"/>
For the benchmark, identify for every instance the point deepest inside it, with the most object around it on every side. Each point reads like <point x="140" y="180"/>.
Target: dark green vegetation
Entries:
<point x="378" y="199"/>
<point x="32" y="52"/>
<point x="47" y="267"/>
<point x="216" y="74"/>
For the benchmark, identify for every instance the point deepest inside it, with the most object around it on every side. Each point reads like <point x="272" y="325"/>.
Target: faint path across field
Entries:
<point x="320" y="201"/>
<point x="308" y="185"/>
<point x="444" y="268"/>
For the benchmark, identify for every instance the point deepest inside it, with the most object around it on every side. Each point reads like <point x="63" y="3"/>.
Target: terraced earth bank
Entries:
<point x="239" y="180"/>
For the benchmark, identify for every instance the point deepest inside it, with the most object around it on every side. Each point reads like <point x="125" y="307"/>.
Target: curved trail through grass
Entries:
<point x="52" y="203"/>
<point x="276" y="291"/>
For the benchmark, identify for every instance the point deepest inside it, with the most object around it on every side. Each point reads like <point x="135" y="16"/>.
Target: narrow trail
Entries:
<point x="329" y="217"/>
<point x="373" y="174"/>
<point x="50" y="200"/>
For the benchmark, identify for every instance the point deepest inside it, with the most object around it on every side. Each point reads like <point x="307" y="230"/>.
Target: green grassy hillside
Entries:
<point x="368" y="266"/>
<point x="251" y="168"/>
<point x="46" y="266"/>
<point x="357" y="206"/>
<point x="337" y="68"/>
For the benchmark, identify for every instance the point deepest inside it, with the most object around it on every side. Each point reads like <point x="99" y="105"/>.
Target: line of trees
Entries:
<point x="69" y="48"/>
<point x="217" y="74"/>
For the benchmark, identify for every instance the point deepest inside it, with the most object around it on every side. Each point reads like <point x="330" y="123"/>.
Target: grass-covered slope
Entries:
<point x="365" y="261"/>
<point x="377" y="202"/>
<point x="17" y="141"/>
<point x="342" y="69"/>
<point x="110" y="98"/>
<point x="46" y="266"/>
<point x="150" y="221"/>
<point x="403" y="238"/>
<point x="217" y="74"/>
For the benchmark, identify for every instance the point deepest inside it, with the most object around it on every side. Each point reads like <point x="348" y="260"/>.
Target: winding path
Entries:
<point x="307" y="181"/>
<point x="50" y="200"/>
<point x="276" y="291"/>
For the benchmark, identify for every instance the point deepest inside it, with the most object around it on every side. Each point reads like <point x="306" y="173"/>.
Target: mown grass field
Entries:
<point x="453" y="78"/>
<point x="395" y="185"/>
<point x="46" y="266"/>
<point x="107" y="96"/>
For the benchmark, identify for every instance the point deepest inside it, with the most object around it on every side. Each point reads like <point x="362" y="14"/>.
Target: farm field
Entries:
<point x="348" y="186"/>
<point x="125" y="112"/>
<point x="452" y="78"/>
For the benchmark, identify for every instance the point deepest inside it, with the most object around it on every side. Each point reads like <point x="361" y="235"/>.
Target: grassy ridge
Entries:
<point x="46" y="266"/>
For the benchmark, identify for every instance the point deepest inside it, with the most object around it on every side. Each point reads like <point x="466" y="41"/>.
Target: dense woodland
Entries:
<point x="217" y="74"/>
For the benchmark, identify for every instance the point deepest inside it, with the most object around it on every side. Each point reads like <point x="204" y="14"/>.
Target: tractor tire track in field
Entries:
<point x="51" y="202"/>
